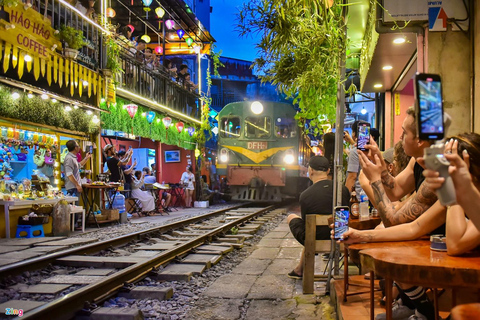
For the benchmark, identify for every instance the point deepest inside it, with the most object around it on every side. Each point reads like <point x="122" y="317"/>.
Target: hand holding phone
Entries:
<point x="429" y="109"/>
<point x="363" y="135"/>
<point x="340" y="225"/>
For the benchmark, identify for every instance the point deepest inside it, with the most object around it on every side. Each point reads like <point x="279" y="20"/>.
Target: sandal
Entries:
<point x="294" y="275"/>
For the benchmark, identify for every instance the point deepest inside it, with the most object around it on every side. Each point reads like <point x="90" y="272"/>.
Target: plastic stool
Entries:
<point x="30" y="230"/>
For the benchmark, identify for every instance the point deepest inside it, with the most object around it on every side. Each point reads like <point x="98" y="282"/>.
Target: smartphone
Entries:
<point x="429" y="110"/>
<point x="91" y="150"/>
<point x="341" y="222"/>
<point x="363" y="135"/>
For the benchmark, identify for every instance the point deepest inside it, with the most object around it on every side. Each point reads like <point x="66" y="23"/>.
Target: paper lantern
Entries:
<point x="146" y="38"/>
<point x="147" y="3"/>
<point x="150" y="116"/>
<point x="158" y="49"/>
<point x="197" y="153"/>
<point x="179" y="126"/>
<point x="160" y="12"/>
<point x="167" y="121"/>
<point x="180" y="33"/>
<point x="131" y="27"/>
<point x="111" y="13"/>
<point x="189" y="41"/>
<point x="196" y="49"/>
<point x="170" y="24"/>
<point x="132" y="110"/>
<point x="191" y="131"/>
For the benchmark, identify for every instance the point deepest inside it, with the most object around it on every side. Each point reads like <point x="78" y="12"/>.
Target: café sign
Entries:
<point x="28" y="30"/>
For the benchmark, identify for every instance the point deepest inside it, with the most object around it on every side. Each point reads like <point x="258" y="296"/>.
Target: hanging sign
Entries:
<point x="397" y="103"/>
<point x="28" y="30"/>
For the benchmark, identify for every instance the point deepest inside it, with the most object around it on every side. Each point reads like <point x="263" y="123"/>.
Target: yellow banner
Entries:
<point x="397" y="104"/>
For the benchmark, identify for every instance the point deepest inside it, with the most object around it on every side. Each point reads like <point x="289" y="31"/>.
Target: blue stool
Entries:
<point x="30" y="230"/>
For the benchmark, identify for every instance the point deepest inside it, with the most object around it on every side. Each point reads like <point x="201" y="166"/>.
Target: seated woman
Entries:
<point x="146" y="199"/>
<point x="461" y="235"/>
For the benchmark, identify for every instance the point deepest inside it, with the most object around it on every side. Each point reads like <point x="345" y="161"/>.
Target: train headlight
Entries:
<point x="256" y="107"/>
<point x="224" y="155"/>
<point x="289" y="157"/>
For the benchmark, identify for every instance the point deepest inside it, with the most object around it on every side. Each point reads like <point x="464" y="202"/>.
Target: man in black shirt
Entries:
<point x="114" y="164"/>
<point x="317" y="199"/>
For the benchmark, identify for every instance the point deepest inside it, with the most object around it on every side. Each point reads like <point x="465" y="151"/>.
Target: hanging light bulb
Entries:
<point x="30" y="95"/>
<point x="170" y="24"/>
<point x="146" y="38"/>
<point x="364" y="111"/>
<point x="85" y="83"/>
<point x="68" y="108"/>
<point x="89" y="112"/>
<point x="27" y="58"/>
<point x="53" y="100"/>
<point x="15" y="95"/>
<point x="196" y="49"/>
<point x="111" y="13"/>
<point x="180" y="33"/>
<point x="75" y="106"/>
<point x="44" y="96"/>
<point x="160" y="12"/>
<point x="189" y="41"/>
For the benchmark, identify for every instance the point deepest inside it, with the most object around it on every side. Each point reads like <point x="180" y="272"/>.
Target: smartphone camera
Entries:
<point x="91" y="150"/>
<point x="341" y="222"/>
<point x="363" y="136"/>
<point x="428" y="93"/>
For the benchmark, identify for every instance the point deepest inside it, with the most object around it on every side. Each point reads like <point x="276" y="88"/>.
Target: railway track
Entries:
<point x="199" y="230"/>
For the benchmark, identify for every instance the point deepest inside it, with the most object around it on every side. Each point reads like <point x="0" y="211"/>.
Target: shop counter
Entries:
<point x="25" y="204"/>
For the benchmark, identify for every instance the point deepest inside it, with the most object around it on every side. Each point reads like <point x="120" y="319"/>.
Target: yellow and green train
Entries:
<point x="261" y="151"/>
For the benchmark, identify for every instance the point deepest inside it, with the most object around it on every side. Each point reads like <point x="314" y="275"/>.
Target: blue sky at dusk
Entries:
<point x="222" y="28"/>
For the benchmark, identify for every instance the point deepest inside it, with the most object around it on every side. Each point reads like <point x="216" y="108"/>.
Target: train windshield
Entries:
<point x="230" y="127"/>
<point x="257" y="127"/>
<point x="285" y="128"/>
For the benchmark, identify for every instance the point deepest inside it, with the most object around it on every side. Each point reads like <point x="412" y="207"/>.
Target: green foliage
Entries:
<point x="113" y="48"/>
<point x="9" y="3"/>
<point x="37" y="110"/>
<point x="72" y="37"/>
<point x="119" y="120"/>
<point x="301" y="46"/>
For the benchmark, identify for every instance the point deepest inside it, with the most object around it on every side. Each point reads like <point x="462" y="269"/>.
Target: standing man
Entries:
<point x="114" y="163"/>
<point x="73" y="183"/>
<point x="316" y="199"/>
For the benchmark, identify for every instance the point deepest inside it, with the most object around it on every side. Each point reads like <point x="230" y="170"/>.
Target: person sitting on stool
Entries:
<point x="146" y="199"/>
<point x="316" y="199"/>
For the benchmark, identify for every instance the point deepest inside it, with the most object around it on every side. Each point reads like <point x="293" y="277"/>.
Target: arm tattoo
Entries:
<point x="384" y="206"/>
<point x="417" y="205"/>
<point x="387" y="180"/>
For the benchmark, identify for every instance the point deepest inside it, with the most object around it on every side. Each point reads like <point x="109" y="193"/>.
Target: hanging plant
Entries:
<point x="300" y="48"/>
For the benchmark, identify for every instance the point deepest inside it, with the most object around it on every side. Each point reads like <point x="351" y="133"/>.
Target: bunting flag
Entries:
<point x="6" y="56"/>
<point x="15" y="56"/>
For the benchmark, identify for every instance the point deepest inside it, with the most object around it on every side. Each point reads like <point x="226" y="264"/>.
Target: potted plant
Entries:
<point x="113" y="65"/>
<point x="74" y="40"/>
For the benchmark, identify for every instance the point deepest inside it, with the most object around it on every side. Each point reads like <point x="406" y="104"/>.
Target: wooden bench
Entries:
<point x="312" y="247"/>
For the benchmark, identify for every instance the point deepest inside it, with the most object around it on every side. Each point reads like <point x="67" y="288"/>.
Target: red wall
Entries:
<point x="407" y="100"/>
<point x="168" y="172"/>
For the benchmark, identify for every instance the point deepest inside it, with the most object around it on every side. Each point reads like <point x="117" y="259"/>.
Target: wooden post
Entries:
<point x="309" y="261"/>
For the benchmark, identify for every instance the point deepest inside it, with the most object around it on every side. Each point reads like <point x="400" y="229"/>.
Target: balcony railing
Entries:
<point x="156" y="83"/>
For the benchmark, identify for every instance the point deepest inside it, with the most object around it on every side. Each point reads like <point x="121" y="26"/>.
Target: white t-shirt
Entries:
<point x="188" y="178"/>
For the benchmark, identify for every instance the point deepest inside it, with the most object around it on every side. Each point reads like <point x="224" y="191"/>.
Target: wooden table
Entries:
<point x="358" y="224"/>
<point x="418" y="265"/>
<point x="90" y="196"/>
<point x="21" y="204"/>
<point x="469" y="311"/>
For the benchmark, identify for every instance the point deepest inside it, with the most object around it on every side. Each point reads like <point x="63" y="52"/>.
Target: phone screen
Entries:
<point x="91" y="150"/>
<point x="363" y="135"/>
<point x="430" y="106"/>
<point x="341" y="221"/>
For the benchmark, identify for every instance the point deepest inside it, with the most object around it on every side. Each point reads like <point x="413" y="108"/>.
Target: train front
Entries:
<point x="261" y="152"/>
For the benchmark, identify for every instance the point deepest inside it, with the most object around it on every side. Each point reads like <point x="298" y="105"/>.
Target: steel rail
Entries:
<point x="66" y="306"/>
<point x="43" y="261"/>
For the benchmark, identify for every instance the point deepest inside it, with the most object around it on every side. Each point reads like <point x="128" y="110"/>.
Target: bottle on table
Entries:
<point x="364" y="211"/>
<point x="354" y="205"/>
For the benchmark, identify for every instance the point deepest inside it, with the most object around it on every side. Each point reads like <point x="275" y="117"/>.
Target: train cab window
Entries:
<point x="285" y="128"/>
<point x="257" y="127"/>
<point x="230" y="127"/>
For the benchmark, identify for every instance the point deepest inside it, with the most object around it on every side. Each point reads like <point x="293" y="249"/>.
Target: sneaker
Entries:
<point x="399" y="312"/>
<point x="418" y="316"/>
<point x="294" y="275"/>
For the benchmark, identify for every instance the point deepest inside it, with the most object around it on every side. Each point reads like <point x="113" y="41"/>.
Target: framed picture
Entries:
<point x="172" y="156"/>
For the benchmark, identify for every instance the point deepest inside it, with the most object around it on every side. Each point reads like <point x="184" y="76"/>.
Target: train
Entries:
<point x="261" y="151"/>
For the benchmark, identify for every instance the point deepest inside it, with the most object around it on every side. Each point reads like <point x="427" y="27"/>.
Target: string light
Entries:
<point x="15" y="95"/>
<point x="44" y="96"/>
<point x="30" y="95"/>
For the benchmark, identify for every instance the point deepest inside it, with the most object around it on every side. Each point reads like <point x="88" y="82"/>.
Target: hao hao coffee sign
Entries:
<point x="28" y="30"/>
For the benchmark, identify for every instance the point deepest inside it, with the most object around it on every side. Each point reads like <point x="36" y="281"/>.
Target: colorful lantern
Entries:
<point x="111" y="13"/>
<point x="196" y="49"/>
<point x="167" y="121"/>
<point x="189" y="41"/>
<point x="131" y="27"/>
<point x="191" y="131"/>
<point x="197" y="153"/>
<point x="132" y="110"/>
<point x="146" y="38"/>
<point x="147" y="4"/>
<point x="160" y="12"/>
<point x="179" y="126"/>
<point x="158" y="49"/>
<point x="180" y="33"/>
<point x="150" y="116"/>
<point x="170" y="24"/>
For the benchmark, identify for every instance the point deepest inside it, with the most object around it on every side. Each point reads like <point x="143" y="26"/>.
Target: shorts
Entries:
<point x="164" y="195"/>
<point x="297" y="227"/>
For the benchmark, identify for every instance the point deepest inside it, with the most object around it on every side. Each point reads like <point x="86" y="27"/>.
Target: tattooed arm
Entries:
<point x="429" y="221"/>
<point x="411" y="210"/>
